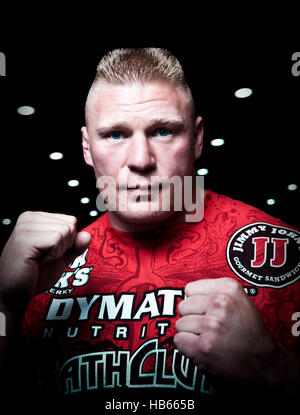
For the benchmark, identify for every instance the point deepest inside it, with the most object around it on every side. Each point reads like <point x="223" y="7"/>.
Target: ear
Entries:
<point x="86" y="147"/>
<point x="198" y="136"/>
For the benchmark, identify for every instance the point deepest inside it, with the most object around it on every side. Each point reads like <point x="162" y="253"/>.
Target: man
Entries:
<point x="143" y="298"/>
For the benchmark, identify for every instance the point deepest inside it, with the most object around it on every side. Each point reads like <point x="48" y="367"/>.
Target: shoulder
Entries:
<point x="260" y="249"/>
<point x="242" y="213"/>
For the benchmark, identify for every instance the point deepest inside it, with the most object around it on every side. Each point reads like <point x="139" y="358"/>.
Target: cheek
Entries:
<point x="105" y="162"/>
<point x="179" y="159"/>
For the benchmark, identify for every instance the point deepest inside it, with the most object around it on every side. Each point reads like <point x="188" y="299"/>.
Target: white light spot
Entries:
<point x="292" y="187"/>
<point x="56" y="155"/>
<point x="25" y="110"/>
<point x="202" y="172"/>
<point x="271" y="202"/>
<point x="73" y="183"/>
<point x="93" y="213"/>
<point x="6" y="221"/>
<point x="85" y="200"/>
<point x="216" y="142"/>
<point x="243" y="93"/>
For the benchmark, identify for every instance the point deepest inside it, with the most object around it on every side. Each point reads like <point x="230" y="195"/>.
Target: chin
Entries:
<point x="137" y="214"/>
<point x="140" y="216"/>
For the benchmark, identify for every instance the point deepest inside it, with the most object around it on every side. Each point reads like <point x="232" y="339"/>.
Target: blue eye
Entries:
<point x="163" y="133"/>
<point x="116" y="135"/>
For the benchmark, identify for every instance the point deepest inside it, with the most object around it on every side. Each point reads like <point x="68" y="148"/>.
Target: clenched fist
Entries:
<point x="221" y="330"/>
<point x="39" y="248"/>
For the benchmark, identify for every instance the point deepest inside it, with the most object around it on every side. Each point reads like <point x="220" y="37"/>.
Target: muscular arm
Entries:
<point x="221" y="330"/>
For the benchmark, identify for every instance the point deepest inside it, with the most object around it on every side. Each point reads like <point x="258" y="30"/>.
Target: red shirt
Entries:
<point x="110" y="319"/>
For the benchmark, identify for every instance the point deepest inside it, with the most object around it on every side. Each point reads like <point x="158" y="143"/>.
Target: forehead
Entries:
<point x="136" y="100"/>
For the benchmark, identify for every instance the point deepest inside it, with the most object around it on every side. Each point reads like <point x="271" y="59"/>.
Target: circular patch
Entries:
<point x="265" y="255"/>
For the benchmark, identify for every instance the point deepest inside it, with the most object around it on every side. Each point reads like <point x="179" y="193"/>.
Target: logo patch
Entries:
<point x="75" y="275"/>
<point x="265" y="255"/>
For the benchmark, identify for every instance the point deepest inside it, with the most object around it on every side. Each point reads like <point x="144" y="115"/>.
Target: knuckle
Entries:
<point x="65" y="228"/>
<point x="72" y="224"/>
<point x="56" y="243"/>
<point x="232" y="286"/>
<point x="25" y="216"/>
<point x="178" y="340"/>
<point x="181" y="308"/>
<point x="23" y="226"/>
<point x="73" y="219"/>
<point x="178" y="325"/>
<point x="20" y="226"/>
<point x="187" y="289"/>
<point x="220" y="300"/>
<point x="197" y="321"/>
<point x="185" y="305"/>
<point x="57" y="237"/>
<point x="206" y="345"/>
<point x="213" y="323"/>
<point x="70" y="220"/>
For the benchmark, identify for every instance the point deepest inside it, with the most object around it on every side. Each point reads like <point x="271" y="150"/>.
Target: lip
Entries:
<point x="143" y="188"/>
<point x="140" y="189"/>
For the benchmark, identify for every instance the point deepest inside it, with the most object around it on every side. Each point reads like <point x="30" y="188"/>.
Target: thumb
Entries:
<point x="80" y="244"/>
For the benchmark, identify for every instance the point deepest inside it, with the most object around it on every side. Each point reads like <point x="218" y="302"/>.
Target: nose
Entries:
<point x="140" y="154"/>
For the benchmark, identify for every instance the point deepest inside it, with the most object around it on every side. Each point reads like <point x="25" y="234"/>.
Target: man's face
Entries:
<point x="135" y="132"/>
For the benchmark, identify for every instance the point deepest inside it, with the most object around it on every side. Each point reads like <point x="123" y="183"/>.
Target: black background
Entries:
<point x="51" y="59"/>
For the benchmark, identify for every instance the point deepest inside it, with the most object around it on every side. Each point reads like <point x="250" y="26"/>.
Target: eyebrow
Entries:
<point x="177" y="124"/>
<point x="116" y="126"/>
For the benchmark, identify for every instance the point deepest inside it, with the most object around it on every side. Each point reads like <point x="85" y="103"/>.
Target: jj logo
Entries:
<point x="261" y="248"/>
<point x="265" y="255"/>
